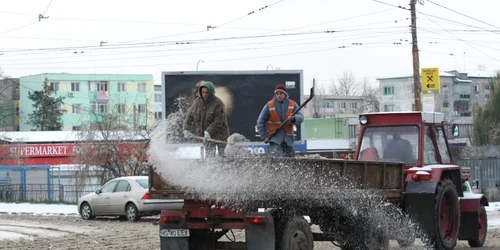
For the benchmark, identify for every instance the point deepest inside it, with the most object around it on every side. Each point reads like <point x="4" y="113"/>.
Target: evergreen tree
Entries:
<point x="47" y="110"/>
<point x="487" y="119"/>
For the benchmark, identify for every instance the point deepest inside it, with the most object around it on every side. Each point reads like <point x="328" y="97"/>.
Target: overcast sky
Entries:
<point x="371" y="38"/>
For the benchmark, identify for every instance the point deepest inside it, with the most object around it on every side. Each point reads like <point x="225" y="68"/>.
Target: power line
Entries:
<point x="20" y="27"/>
<point x="207" y="61"/>
<point x="442" y="18"/>
<point x="338" y="37"/>
<point x="396" y="6"/>
<point x="47" y="8"/>
<point x="463" y="14"/>
<point x="199" y="41"/>
<point x="249" y="13"/>
<point x="239" y="48"/>
<point x="470" y="45"/>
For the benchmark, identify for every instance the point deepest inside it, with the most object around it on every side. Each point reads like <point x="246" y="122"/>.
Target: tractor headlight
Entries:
<point x="363" y="120"/>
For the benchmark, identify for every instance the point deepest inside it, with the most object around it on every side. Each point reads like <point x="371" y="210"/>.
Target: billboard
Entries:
<point x="244" y="93"/>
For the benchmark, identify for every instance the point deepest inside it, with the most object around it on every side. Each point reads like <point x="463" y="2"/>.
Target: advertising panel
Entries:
<point x="244" y="94"/>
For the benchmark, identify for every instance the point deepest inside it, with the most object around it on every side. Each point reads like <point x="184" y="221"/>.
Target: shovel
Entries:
<point x="209" y="140"/>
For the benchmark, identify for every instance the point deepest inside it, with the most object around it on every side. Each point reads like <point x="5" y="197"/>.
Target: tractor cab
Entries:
<point x="415" y="138"/>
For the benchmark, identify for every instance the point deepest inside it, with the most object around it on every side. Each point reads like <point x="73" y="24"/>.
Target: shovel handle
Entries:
<point x="209" y="140"/>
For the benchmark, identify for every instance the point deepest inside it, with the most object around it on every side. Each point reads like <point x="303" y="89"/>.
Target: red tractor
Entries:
<point x="404" y="157"/>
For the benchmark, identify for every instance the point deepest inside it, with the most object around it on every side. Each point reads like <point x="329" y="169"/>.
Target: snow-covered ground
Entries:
<point x="58" y="209"/>
<point x="71" y="210"/>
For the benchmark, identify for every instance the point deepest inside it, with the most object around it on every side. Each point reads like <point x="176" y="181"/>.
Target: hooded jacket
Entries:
<point x="209" y="115"/>
<point x="282" y="109"/>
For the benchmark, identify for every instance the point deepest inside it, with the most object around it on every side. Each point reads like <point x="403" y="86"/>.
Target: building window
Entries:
<point x="389" y="108"/>
<point x="353" y="105"/>
<point x="476" y="89"/>
<point x="54" y="86"/>
<point x="389" y="90"/>
<point x="487" y="86"/>
<point x="157" y="97"/>
<point x="328" y="104"/>
<point x="464" y="96"/>
<point x="446" y="104"/>
<point x="445" y="86"/>
<point x="342" y="105"/>
<point x="121" y="87"/>
<point x="75" y="86"/>
<point x="487" y="96"/>
<point x="99" y="107"/>
<point x="413" y="107"/>
<point x="76" y="128"/>
<point x="141" y="87"/>
<point x="121" y="108"/>
<point x="141" y="108"/>
<point x="102" y="86"/>
<point x="157" y="115"/>
<point x="77" y="108"/>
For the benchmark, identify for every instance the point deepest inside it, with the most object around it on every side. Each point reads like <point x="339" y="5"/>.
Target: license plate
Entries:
<point x="174" y="233"/>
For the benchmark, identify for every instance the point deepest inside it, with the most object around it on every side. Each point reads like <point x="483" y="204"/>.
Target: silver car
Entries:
<point x="125" y="197"/>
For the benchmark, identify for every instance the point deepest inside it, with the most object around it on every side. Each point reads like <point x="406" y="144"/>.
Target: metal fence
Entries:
<point x="44" y="192"/>
<point x="486" y="172"/>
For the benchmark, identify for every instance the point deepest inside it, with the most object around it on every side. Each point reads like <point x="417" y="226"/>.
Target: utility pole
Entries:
<point x="416" y="63"/>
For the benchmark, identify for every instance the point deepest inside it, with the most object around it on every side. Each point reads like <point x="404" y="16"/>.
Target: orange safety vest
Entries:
<point x="274" y="121"/>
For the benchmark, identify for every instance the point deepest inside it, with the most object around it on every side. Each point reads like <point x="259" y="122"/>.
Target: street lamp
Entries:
<point x="198" y="64"/>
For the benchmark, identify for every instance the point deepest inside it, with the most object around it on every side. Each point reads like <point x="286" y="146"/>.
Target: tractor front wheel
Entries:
<point x="482" y="228"/>
<point x="447" y="216"/>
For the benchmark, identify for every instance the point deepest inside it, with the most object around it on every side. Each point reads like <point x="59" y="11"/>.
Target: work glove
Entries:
<point x="206" y="137"/>
<point x="187" y="134"/>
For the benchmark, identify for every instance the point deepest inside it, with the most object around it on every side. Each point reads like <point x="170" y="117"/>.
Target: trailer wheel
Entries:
<point x="296" y="234"/>
<point x="447" y="216"/>
<point x="482" y="228"/>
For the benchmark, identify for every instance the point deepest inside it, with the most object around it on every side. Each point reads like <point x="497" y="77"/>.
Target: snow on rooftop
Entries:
<point x="441" y="73"/>
<point x="59" y="136"/>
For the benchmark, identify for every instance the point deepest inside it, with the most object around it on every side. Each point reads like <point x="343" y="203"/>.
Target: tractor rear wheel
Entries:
<point x="447" y="217"/>
<point x="482" y="228"/>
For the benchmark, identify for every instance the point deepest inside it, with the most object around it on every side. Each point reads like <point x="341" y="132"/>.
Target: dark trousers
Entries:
<point x="211" y="150"/>
<point x="281" y="150"/>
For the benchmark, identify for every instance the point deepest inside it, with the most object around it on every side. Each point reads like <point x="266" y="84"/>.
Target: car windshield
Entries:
<point x="143" y="182"/>
<point x="392" y="143"/>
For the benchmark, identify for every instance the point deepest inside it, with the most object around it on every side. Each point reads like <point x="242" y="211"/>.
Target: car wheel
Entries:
<point x="132" y="212"/>
<point x="86" y="211"/>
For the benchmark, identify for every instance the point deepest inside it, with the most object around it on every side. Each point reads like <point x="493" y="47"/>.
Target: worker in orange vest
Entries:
<point x="277" y="111"/>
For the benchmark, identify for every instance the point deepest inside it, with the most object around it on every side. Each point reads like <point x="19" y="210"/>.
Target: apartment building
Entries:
<point x="93" y="98"/>
<point x="329" y="106"/>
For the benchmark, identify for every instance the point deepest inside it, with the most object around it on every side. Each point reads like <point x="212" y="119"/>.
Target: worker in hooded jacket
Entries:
<point x="277" y="111"/>
<point x="207" y="116"/>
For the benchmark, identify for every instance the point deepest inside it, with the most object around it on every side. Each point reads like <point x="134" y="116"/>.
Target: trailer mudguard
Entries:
<point x="174" y="243"/>
<point x="260" y="236"/>
<point x="419" y="204"/>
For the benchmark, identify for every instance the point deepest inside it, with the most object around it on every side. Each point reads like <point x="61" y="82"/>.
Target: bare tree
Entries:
<point x="347" y="85"/>
<point x="371" y="100"/>
<point x="318" y="100"/>
<point x="115" y="141"/>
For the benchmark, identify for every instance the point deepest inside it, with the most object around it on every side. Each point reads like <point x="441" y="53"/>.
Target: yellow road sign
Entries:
<point x="430" y="80"/>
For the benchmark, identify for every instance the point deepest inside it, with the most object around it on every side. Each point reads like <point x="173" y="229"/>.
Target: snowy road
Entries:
<point x="38" y="230"/>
